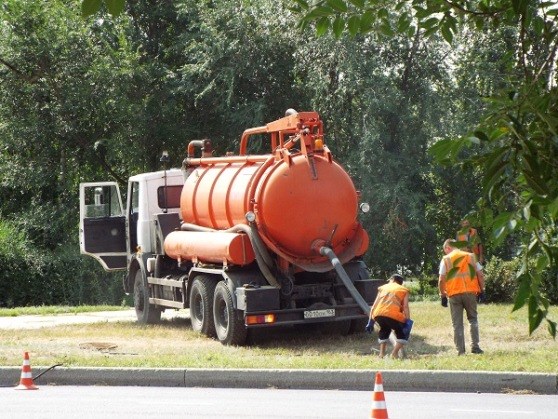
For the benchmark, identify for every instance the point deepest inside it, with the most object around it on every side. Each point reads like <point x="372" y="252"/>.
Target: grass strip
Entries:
<point x="173" y="344"/>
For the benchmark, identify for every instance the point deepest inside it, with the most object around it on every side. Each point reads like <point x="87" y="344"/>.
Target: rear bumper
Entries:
<point x="297" y="316"/>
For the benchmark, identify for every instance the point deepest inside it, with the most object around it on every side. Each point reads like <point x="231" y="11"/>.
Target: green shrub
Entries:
<point x="75" y="279"/>
<point x="499" y="280"/>
<point x="21" y="266"/>
<point x="501" y="285"/>
<point x="31" y="276"/>
<point x="423" y="288"/>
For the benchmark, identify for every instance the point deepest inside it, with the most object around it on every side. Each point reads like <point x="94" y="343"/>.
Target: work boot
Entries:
<point x="477" y="350"/>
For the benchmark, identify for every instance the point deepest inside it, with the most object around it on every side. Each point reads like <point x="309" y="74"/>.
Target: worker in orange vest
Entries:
<point x="461" y="282"/>
<point x="391" y="311"/>
<point x="470" y="235"/>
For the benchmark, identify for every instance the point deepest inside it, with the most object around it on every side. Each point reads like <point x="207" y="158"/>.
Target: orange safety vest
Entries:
<point x="390" y="303"/>
<point x="464" y="277"/>
<point x="472" y="239"/>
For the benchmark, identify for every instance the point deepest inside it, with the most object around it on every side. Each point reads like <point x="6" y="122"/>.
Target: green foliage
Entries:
<point x="90" y="7"/>
<point x="71" y="279"/>
<point x="517" y="150"/>
<point x="515" y="144"/>
<point x="500" y="280"/>
<point x="239" y="69"/>
<point x="65" y="86"/>
<point x="423" y="288"/>
<point x="381" y="102"/>
<point x="21" y="268"/>
<point x="63" y="276"/>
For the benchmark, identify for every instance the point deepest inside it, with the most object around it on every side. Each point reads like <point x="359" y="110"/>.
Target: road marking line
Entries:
<point x="527" y="412"/>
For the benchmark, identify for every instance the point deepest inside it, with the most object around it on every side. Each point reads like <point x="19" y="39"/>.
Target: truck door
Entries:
<point x="102" y="224"/>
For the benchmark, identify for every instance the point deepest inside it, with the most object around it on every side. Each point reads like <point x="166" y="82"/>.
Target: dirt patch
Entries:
<point x="98" y="346"/>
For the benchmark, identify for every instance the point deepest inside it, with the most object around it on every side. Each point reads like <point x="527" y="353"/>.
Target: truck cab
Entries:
<point x="126" y="238"/>
<point x="111" y="233"/>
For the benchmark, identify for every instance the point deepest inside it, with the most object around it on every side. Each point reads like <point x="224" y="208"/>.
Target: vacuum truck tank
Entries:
<point x="259" y="240"/>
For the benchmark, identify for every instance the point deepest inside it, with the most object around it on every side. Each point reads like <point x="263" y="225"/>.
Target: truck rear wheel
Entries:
<point x="145" y="312"/>
<point x="229" y="323"/>
<point x="201" y="303"/>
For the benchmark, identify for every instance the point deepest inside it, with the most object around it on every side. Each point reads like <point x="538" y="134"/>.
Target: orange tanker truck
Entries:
<point x="244" y="241"/>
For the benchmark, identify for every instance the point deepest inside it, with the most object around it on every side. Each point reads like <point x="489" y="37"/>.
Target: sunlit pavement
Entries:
<point x="39" y="321"/>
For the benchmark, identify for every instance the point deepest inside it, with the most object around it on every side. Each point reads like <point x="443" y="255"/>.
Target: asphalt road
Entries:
<point x="69" y="402"/>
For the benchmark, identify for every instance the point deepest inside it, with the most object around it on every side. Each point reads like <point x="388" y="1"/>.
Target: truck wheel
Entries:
<point x="229" y="323"/>
<point x="145" y="312"/>
<point x="201" y="302"/>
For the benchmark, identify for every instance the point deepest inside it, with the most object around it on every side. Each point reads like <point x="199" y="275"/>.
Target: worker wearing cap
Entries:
<point x="390" y="310"/>
<point x="460" y="282"/>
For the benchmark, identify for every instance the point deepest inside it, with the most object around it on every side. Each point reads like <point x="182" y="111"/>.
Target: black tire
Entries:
<point x="201" y="305"/>
<point x="229" y="323"/>
<point x="145" y="312"/>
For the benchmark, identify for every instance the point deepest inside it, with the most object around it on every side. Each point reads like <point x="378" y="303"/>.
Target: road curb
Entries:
<point x="394" y="380"/>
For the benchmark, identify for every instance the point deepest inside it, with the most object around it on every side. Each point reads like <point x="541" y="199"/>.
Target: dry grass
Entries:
<point x="504" y="338"/>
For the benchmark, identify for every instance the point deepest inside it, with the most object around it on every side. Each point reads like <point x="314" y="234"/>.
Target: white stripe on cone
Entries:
<point x="379" y="405"/>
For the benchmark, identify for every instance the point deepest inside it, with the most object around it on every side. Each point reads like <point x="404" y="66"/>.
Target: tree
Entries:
<point x="239" y="70"/>
<point x="64" y="91"/>
<point x="90" y="7"/>
<point x="514" y="144"/>
<point x="381" y="101"/>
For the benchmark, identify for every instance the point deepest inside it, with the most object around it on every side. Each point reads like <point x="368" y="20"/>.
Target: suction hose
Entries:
<point x="326" y="251"/>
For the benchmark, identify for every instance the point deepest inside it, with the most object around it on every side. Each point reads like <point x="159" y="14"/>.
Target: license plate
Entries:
<point x="314" y="314"/>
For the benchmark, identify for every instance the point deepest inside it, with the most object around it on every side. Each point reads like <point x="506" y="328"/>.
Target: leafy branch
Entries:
<point x="515" y="146"/>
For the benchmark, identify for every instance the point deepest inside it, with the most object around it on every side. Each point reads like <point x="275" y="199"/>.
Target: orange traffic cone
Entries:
<point x="379" y="409"/>
<point x="26" y="381"/>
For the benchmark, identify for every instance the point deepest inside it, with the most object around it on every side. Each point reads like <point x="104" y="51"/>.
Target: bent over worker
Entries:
<point x="461" y="281"/>
<point x="391" y="310"/>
